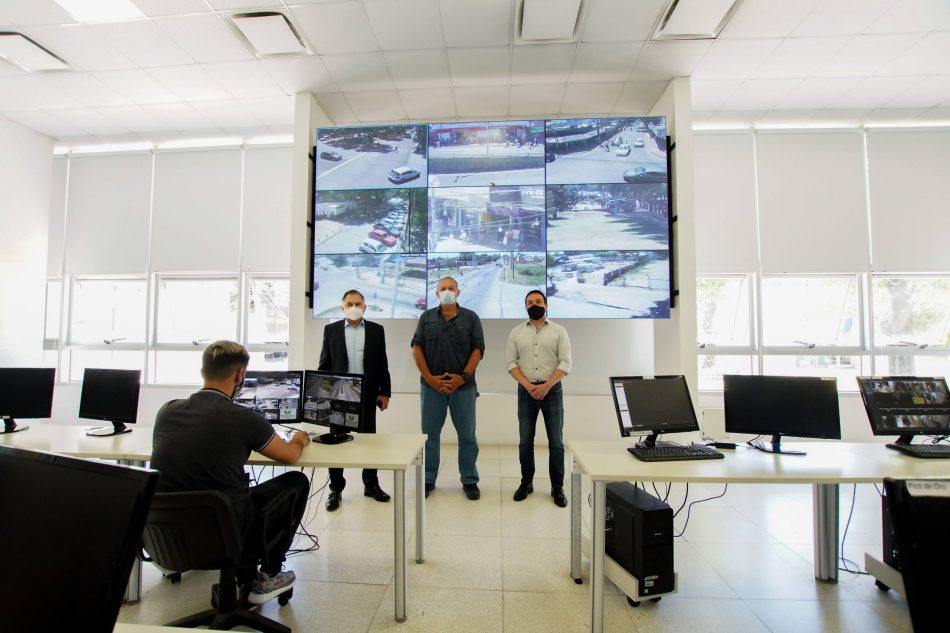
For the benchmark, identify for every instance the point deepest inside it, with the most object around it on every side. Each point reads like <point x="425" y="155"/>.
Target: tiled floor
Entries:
<point x="494" y="565"/>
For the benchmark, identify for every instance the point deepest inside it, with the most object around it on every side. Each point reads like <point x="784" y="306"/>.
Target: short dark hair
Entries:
<point x="354" y="291"/>
<point x="454" y="281"/>
<point x="536" y="292"/>
<point x="222" y="358"/>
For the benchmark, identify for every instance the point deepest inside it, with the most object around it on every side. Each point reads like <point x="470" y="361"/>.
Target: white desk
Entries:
<point x="826" y="465"/>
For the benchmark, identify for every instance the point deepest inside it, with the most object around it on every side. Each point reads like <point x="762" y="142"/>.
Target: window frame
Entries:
<point x="705" y="349"/>
<point x="69" y="300"/>
<point x="249" y="278"/>
<point x="910" y="349"/>
<point x="153" y="344"/>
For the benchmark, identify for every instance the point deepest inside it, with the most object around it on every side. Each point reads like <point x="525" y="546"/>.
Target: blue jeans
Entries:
<point x="461" y="403"/>
<point x="552" y="408"/>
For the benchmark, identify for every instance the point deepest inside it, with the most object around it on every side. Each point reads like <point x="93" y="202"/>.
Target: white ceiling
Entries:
<point x="181" y="72"/>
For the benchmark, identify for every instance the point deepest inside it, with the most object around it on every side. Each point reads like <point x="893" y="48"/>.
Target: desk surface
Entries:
<point x="71" y="439"/>
<point x="825" y="462"/>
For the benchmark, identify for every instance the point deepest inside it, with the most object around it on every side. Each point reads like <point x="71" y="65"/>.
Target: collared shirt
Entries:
<point x="447" y="345"/>
<point x="538" y="352"/>
<point x="355" y="345"/>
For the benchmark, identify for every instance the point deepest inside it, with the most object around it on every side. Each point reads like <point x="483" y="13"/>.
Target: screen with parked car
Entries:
<point x="578" y="208"/>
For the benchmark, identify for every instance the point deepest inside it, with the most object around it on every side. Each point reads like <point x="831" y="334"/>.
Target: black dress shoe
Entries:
<point x="559" y="499"/>
<point x="523" y="491"/>
<point x="333" y="501"/>
<point x="429" y="488"/>
<point x="472" y="492"/>
<point x="376" y="493"/>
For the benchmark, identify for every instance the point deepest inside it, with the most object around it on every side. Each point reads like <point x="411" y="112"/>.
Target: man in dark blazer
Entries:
<point x="356" y="346"/>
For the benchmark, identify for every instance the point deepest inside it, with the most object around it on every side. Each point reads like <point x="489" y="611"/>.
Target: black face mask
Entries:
<point x="535" y="312"/>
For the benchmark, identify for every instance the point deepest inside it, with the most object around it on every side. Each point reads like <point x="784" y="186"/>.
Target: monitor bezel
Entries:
<point x="880" y="431"/>
<point x="335" y="374"/>
<point x="116" y="420"/>
<point x="636" y="433"/>
<point x="731" y="428"/>
<point x="48" y="375"/>
<point x="274" y="373"/>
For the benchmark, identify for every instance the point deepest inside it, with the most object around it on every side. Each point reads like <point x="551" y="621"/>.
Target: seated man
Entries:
<point x="202" y="443"/>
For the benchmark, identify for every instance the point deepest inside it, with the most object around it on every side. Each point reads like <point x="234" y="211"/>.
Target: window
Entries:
<point x="193" y="311"/>
<point x="54" y="313"/>
<point x="724" y="311"/>
<point x="811" y="312"/>
<point x="107" y="311"/>
<point x="268" y="309"/>
<point x="911" y="325"/>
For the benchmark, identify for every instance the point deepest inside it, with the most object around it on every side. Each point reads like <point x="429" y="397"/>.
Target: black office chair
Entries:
<point x="197" y="530"/>
<point x="920" y="518"/>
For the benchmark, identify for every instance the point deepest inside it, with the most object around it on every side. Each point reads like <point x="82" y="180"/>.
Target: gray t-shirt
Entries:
<point x="202" y="443"/>
<point x="447" y="345"/>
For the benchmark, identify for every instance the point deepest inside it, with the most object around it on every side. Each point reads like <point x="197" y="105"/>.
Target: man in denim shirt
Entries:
<point x="447" y="347"/>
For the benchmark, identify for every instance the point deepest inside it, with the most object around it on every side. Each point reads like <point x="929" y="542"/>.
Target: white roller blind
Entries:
<point x="725" y="203"/>
<point x="197" y="210"/>
<point x="57" y="215"/>
<point x="107" y="214"/>
<point x="910" y="200"/>
<point x="811" y="202"/>
<point x="265" y="243"/>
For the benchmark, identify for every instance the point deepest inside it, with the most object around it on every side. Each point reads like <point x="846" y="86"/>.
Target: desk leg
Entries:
<point x="825" y="499"/>
<point x="420" y="508"/>
<point x="575" y="523"/>
<point x="133" y="591"/>
<point x="597" y="559"/>
<point x="399" y="517"/>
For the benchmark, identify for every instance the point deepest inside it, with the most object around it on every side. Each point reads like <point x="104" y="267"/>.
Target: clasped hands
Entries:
<point x="538" y="392"/>
<point x="445" y="383"/>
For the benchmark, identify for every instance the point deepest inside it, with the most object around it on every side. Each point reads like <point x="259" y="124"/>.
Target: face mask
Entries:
<point x="447" y="297"/>
<point x="535" y="312"/>
<point x="354" y="313"/>
<point x="237" y="389"/>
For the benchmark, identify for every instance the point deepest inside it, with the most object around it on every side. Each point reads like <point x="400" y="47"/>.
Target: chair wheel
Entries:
<point x="881" y="586"/>
<point x="632" y="602"/>
<point x="174" y="577"/>
<point x="285" y="597"/>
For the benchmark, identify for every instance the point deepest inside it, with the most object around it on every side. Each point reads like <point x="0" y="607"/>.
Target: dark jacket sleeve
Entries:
<point x="385" y="387"/>
<point x="326" y="356"/>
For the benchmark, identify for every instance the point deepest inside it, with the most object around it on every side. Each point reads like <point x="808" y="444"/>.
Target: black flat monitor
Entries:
<point x="70" y="531"/>
<point x="335" y="401"/>
<point x="796" y="406"/>
<point x="906" y="406"/>
<point x="111" y="395"/>
<point x="651" y="406"/>
<point x="273" y="394"/>
<point x="25" y="392"/>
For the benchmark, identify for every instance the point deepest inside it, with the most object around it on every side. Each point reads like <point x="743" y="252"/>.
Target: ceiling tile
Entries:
<point x="419" y="69"/>
<point x="33" y="13"/>
<point x="359" y="71"/>
<point x="639" y="97"/>
<point x="786" y="117"/>
<point x="799" y="57"/>
<point x="170" y="7"/>
<point x="708" y="95"/>
<point x="336" y="28"/>
<point x="929" y="55"/>
<point x="664" y="60"/>
<point x="585" y="98"/>
<point x="405" y="24"/>
<point x="377" y="105"/>
<point x="137" y="86"/>
<point x="532" y="100"/>
<point x="179" y="116"/>
<point x="424" y="103"/>
<point x="734" y="59"/>
<point x="7" y="70"/>
<point x="817" y="92"/>
<point x="93" y="121"/>
<point x="336" y="108"/>
<point x="875" y="92"/>
<point x="245" y="79"/>
<point x="621" y="20"/>
<point x="480" y="66"/>
<point x="842" y="17"/>
<point x="865" y="54"/>
<point x="190" y="83"/>
<point x="482" y="23"/>
<point x="28" y="92"/>
<point x="733" y="117"/>
<point x="143" y="43"/>
<point x="541" y="64"/>
<point x="205" y="37"/>
<point x="226" y="5"/>
<point x="604" y="62"/>
<point x="912" y="16"/>
<point x="231" y="113"/>
<point x="85" y="89"/>
<point x="272" y="110"/>
<point x="46" y="123"/>
<point x="759" y="94"/>
<point x="79" y="45"/>
<point x="476" y="101"/>
<point x="304" y="73"/>
<point x="893" y="115"/>
<point x="929" y="93"/>
<point x="767" y="18"/>
<point x="133" y="118"/>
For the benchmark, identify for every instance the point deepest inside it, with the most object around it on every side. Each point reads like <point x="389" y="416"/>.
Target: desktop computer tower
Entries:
<point x="639" y="536"/>
<point x="889" y="539"/>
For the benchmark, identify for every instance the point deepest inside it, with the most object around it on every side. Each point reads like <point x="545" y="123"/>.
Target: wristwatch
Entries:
<point x="465" y="376"/>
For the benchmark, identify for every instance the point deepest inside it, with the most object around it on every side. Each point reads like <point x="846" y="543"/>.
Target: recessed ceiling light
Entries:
<point x="268" y="33"/>
<point x="101" y="10"/>
<point x="23" y="52"/>
<point x="695" y="19"/>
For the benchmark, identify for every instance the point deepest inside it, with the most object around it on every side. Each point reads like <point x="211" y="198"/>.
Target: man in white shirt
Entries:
<point x="539" y="356"/>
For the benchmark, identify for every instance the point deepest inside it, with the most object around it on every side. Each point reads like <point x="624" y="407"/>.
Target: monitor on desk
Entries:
<point x="336" y="401"/>
<point x="906" y="406"/>
<point x="70" y="532"/>
<point x="25" y="392"/>
<point x="111" y="395"/>
<point x="796" y="406"/>
<point x="651" y="406"/>
<point x="273" y="394"/>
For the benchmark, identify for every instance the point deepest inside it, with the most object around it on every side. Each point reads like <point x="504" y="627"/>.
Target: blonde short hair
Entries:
<point x="222" y="358"/>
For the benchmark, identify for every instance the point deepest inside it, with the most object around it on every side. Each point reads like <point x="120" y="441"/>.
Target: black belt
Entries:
<point x="539" y="383"/>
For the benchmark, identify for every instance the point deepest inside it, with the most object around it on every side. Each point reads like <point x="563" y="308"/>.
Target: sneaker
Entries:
<point x="560" y="500"/>
<point x="429" y="488"/>
<point x="268" y="587"/>
<point x="472" y="491"/>
<point x="523" y="491"/>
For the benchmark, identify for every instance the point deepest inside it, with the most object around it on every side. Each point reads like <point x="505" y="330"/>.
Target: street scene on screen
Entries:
<point x="492" y="284"/>
<point x="470" y="219"/>
<point x="371" y="221"/>
<point x="582" y="151"/>
<point x="371" y="157"/>
<point x="608" y="217"/>
<point x="276" y="398"/>
<point x="393" y="285"/>
<point x="497" y="153"/>
<point x="333" y="400"/>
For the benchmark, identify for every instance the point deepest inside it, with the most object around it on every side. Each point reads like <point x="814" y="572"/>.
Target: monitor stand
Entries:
<point x="337" y="435"/>
<point x="117" y="428"/>
<point x="905" y="439"/>
<point x="651" y="441"/>
<point x="775" y="446"/>
<point x="9" y="426"/>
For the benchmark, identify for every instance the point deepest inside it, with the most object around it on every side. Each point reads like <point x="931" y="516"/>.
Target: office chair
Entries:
<point x="197" y="530"/>
<point x="920" y="510"/>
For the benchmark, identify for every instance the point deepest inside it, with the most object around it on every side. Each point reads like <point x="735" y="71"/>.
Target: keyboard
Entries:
<point x="674" y="453"/>
<point x="923" y="450"/>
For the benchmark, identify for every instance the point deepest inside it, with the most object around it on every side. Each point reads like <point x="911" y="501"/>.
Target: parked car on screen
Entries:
<point x="549" y="156"/>
<point x="331" y="155"/>
<point x="638" y="142"/>
<point x="369" y="246"/>
<point x="623" y="150"/>
<point x="403" y="174"/>
<point x="382" y="236"/>
<point x="640" y="174"/>
<point x="421" y="303"/>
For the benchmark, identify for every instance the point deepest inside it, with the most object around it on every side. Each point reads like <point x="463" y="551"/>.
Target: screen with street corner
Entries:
<point x="492" y="153"/>
<point x="371" y="157"/>
<point x="374" y="221"/>
<point x="393" y="286"/>
<point x="273" y="394"/>
<point x="492" y="284"/>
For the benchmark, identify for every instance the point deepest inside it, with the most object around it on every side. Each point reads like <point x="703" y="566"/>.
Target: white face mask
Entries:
<point x="353" y="313"/>
<point x="447" y="297"/>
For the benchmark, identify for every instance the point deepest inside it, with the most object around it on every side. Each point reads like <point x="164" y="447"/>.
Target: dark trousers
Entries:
<point x="370" y="477"/>
<point x="552" y="408"/>
<point x="280" y="523"/>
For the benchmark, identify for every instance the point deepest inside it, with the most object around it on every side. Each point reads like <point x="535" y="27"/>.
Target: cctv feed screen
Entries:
<point x="576" y="207"/>
<point x="275" y="395"/>
<point x="907" y="405"/>
<point x="333" y="399"/>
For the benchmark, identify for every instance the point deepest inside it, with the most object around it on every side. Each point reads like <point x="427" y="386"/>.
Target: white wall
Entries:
<point x="26" y="169"/>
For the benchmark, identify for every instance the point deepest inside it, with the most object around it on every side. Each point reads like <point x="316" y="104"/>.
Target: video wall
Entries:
<point x="578" y="208"/>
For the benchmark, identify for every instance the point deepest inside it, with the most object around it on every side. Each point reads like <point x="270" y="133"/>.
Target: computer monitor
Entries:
<point x="336" y="401"/>
<point x="651" y="406"/>
<point x="71" y="529"/>
<point x="273" y="394"/>
<point x="797" y="406"/>
<point x="906" y="406"/>
<point x="25" y="392"/>
<point x="111" y="395"/>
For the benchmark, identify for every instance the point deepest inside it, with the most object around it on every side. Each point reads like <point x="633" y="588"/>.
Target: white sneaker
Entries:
<point x="269" y="587"/>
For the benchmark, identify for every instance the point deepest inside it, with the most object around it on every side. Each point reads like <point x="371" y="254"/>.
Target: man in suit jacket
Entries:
<point x="357" y="346"/>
